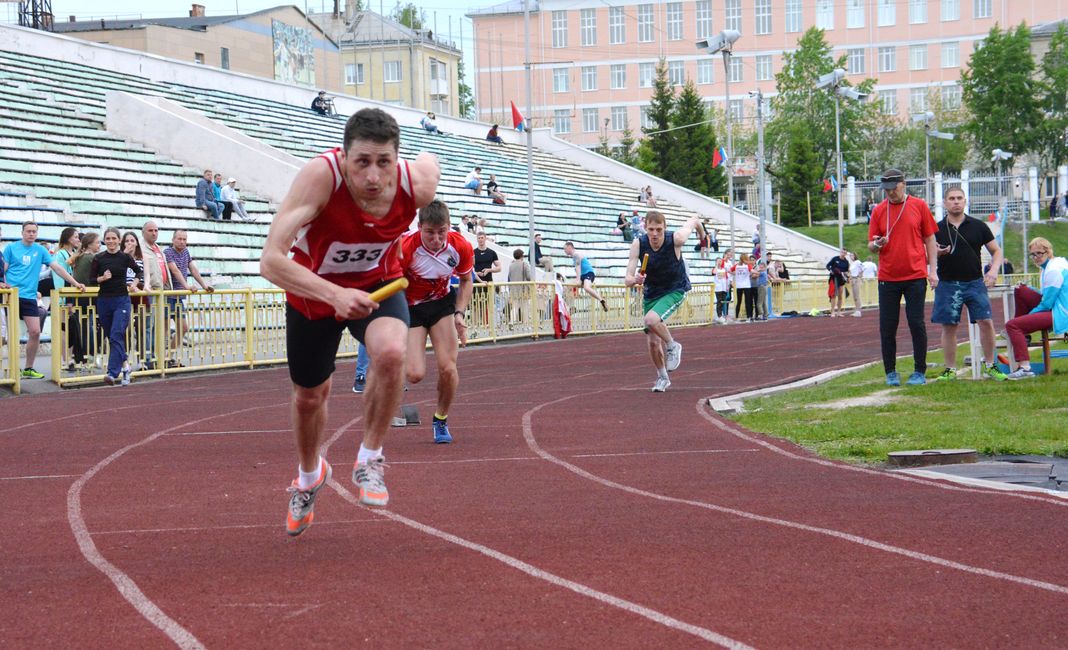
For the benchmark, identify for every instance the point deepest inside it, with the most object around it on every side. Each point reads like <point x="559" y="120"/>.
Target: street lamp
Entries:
<point x="996" y="157"/>
<point x="723" y="42"/>
<point x="834" y="79"/>
<point x="927" y="118"/>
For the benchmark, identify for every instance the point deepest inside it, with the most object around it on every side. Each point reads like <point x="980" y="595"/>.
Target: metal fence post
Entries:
<point x="250" y="328"/>
<point x="57" y="336"/>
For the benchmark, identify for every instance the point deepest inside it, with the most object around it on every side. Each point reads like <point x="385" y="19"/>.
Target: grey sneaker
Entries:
<point x="1020" y="373"/>
<point x="674" y="356"/>
<point x="370" y="478"/>
<point x="126" y="374"/>
<point x="302" y="504"/>
<point x="661" y="384"/>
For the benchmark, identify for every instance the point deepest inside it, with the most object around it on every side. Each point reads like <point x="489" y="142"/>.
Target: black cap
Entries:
<point x="891" y="178"/>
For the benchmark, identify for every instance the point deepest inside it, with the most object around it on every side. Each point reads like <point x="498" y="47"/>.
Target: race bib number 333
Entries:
<point x="353" y="258"/>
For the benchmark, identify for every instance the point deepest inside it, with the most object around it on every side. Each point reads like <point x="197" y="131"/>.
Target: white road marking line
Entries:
<point x="197" y="529"/>
<point x="654" y="453"/>
<point x="531" y="570"/>
<point x="226" y="433"/>
<point x="528" y="434"/>
<point x="723" y="426"/>
<point x="461" y="460"/>
<point x="27" y="478"/>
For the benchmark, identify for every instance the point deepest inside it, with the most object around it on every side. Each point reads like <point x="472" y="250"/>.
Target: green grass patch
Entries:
<point x="1022" y="417"/>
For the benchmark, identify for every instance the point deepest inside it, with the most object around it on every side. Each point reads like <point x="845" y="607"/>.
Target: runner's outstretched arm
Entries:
<point x="633" y="277"/>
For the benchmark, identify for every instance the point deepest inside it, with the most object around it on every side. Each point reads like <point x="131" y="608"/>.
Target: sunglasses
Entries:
<point x="1036" y="253"/>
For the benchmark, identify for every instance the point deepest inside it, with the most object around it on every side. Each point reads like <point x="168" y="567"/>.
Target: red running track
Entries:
<point x="575" y="509"/>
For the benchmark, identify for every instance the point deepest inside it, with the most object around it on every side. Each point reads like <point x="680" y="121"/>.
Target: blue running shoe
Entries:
<point x="917" y="379"/>
<point x="441" y="431"/>
<point x="359" y="383"/>
<point x="893" y="379"/>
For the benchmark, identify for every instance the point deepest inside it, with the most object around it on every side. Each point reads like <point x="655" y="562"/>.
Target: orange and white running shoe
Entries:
<point x="370" y="478"/>
<point x="302" y="503"/>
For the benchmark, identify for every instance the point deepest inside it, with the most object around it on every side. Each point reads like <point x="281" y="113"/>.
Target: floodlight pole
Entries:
<point x="760" y="176"/>
<point x="838" y="170"/>
<point x="730" y="142"/>
<point x="531" y="259"/>
<point x="927" y="162"/>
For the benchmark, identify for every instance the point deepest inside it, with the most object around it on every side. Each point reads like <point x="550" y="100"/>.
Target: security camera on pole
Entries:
<point x="834" y="79"/>
<point x="928" y="121"/>
<point x="724" y="43"/>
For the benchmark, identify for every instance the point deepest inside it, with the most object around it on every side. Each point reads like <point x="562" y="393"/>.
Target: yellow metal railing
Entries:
<point x="9" y="335"/>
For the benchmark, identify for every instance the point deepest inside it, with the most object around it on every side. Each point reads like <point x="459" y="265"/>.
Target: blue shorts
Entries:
<point x="588" y="275"/>
<point x="471" y="185"/>
<point x="951" y="295"/>
<point x="174" y="303"/>
<point x="28" y="308"/>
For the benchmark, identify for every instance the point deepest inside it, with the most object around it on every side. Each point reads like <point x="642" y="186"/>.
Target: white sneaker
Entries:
<point x="661" y="384"/>
<point x="674" y="356"/>
<point x="857" y="314"/>
<point x="126" y="374"/>
<point x="1021" y="373"/>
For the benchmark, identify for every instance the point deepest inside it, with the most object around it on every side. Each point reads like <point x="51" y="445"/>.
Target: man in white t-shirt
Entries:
<point x="870" y="269"/>
<point x="473" y="181"/>
<point x="856" y="273"/>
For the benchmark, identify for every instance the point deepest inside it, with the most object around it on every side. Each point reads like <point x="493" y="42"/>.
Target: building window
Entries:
<point x="391" y="72"/>
<point x="855" y="60"/>
<point x="950" y="10"/>
<point x="951" y="98"/>
<point x="793" y="16"/>
<point x="589" y="77"/>
<point x="917" y="100"/>
<point x="887" y="59"/>
<point x="735" y="69"/>
<point x="704" y="18"/>
<point x="439" y="71"/>
<point x="617" y="26"/>
<point x="645" y="23"/>
<point x="983" y="8"/>
<point x="763" y="67"/>
<point x="559" y="29"/>
<point x="917" y="11"/>
<point x="619" y="76"/>
<point x="917" y="57"/>
<point x="619" y="118"/>
<point x="763" y="16"/>
<point x="588" y="26"/>
<point x="889" y="103"/>
<point x="562" y="121"/>
<point x="854" y="14"/>
<point x="951" y="55"/>
<point x="825" y="14"/>
<point x="561" y="80"/>
<point x="646" y="74"/>
<point x="647" y="122"/>
<point x="704" y="70"/>
<point x="350" y="74"/>
<point x="224" y="58"/>
<point x="737" y="110"/>
<point x="589" y="120"/>
<point x="676" y="73"/>
<point x="734" y="15"/>
<point x="887" y="13"/>
<point x="674" y="21"/>
<point x="198" y="58"/>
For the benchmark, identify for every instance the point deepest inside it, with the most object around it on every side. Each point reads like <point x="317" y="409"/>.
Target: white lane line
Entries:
<point x="528" y="434"/>
<point x="226" y="433"/>
<point x="199" y="529"/>
<point x="27" y="478"/>
<point x="942" y="485"/>
<point x="462" y="460"/>
<point x="655" y="453"/>
<point x="531" y="570"/>
<point x="129" y="590"/>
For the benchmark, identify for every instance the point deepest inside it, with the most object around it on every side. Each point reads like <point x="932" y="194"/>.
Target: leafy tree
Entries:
<point x="656" y="149"/>
<point x="1055" y="100"/>
<point x="690" y="164"/>
<point x="625" y="152"/>
<point x="408" y="15"/>
<point x="1000" y="91"/>
<point x="801" y="180"/>
<point x="465" y="99"/>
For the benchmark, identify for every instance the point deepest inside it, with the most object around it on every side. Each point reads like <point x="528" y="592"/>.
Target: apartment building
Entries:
<point x="593" y="61"/>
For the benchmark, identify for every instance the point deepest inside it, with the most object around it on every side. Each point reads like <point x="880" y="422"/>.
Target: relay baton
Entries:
<point x="645" y="262"/>
<point x="381" y="293"/>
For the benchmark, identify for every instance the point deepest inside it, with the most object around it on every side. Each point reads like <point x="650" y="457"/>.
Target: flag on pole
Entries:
<point x="719" y="156"/>
<point x="826" y="185"/>
<point x="518" y="122"/>
<point x="830" y="184"/>
<point x="834" y="184"/>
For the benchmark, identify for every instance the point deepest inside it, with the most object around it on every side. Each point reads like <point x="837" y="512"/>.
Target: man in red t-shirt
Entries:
<point x="432" y="255"/>
<point x="342" y="220"/>
<point x="902" y="231"/>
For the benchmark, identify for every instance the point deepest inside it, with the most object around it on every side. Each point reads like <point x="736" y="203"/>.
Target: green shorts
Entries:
<point x="665" y="305"/>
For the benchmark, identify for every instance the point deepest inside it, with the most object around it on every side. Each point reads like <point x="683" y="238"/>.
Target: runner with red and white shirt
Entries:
<point x="432" y="255"/>
<point x="343" y="219"/>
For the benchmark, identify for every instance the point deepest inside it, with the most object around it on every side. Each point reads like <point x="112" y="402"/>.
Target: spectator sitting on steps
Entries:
<point x="322" y="104"/>
<point x="473" y="181"/>
<point x="205" y="197"/>
<point x="231" y="198"/>
<point x="492" y="136"/>
<point x="429" y="125"/>
<point x="493" y="191"/>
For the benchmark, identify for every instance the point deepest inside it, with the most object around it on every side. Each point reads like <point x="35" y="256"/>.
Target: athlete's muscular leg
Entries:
<point x="415" y="366"/>
<point x="309" y="415"/>
<point x="386" y="340"/>
<point x="445" y="339"/>
<point x="658" y="335"/>
<point x="587" y="286"/>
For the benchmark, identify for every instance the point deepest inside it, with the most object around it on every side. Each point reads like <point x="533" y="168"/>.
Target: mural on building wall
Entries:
<point x="294" y="54"/>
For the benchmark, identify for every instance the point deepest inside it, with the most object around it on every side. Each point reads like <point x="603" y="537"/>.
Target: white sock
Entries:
<point x="662" y="373"/>
<point x="307" y="479"/>
<point x="366" y="455"/>
<point x="1025" y="365"/>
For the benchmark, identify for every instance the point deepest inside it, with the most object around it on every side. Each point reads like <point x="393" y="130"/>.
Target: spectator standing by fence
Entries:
<point x="132" y="247"/>
<point x="837" y="280"/>
<point x="181" y="265"/>
<point x="67" y="256"/>
<point x="856" y="282"/>
<point x="157" y="278"/>
<point x="113" y="302"/>
<point x="83" y="272"/>
<point x="902" y="233"/>
<point x="742" y="273"/>
<point x="721" y="272"/>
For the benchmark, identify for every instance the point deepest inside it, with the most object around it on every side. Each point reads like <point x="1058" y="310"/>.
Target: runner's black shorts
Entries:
<point x="311" y="345"/>
<point x="427" y="314"/>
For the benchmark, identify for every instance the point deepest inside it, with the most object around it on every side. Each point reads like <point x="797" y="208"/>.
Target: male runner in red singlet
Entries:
<point x="432" y="255"/>
<point x="343" y="220"/>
